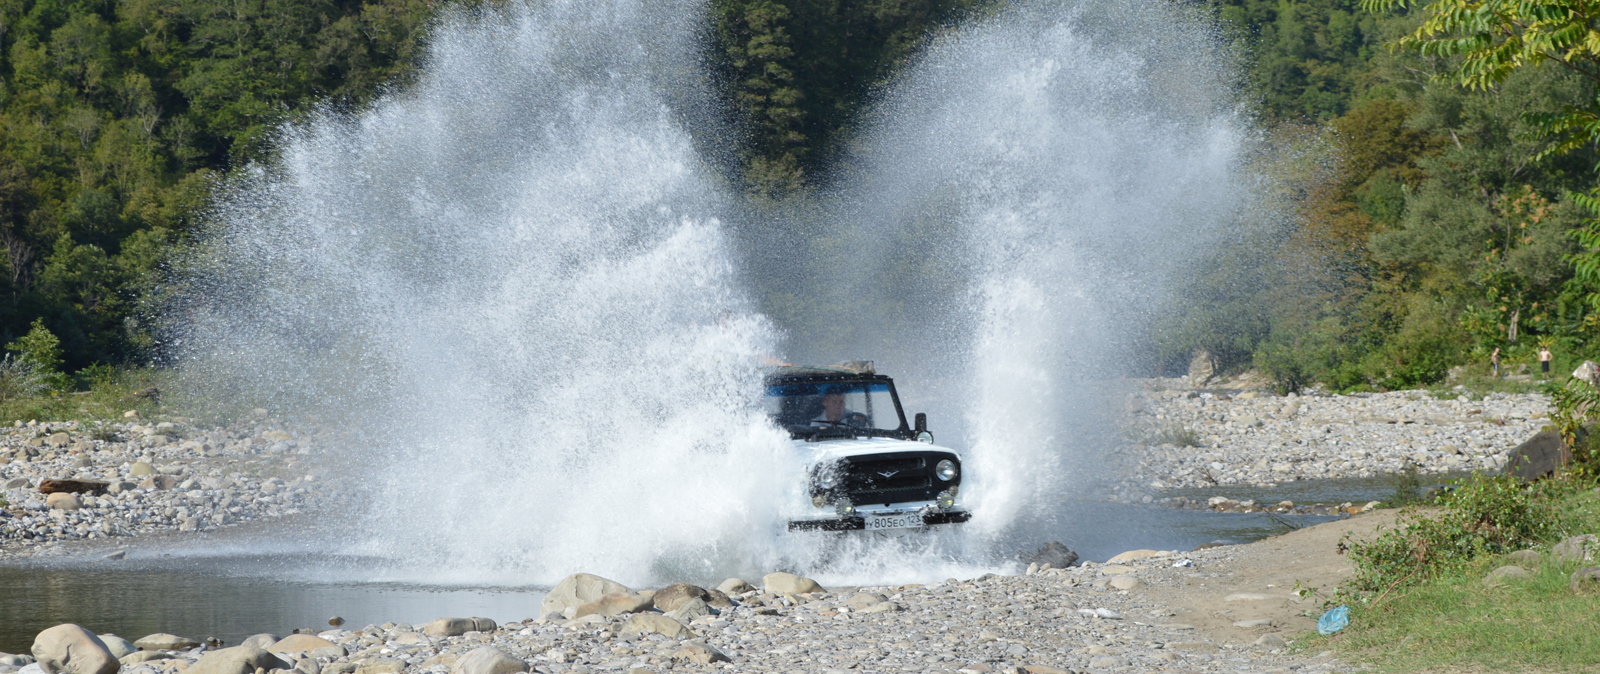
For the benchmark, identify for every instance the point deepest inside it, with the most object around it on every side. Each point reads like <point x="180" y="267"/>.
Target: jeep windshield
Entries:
<point x="838" y="408"/>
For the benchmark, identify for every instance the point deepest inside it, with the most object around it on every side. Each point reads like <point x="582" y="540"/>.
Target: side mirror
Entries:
<point x="920" y="432"/>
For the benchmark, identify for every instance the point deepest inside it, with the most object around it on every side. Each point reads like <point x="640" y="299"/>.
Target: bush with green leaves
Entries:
<point x="19" y="379"/>
<point x="1482" y="515"/>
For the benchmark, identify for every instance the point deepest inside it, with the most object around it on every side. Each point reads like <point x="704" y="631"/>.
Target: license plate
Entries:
<point x="906" y="521"/>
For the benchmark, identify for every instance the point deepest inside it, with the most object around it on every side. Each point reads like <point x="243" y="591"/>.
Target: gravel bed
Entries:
<point x="1048" y="622"/>
<point x="166" y="476"/>
<point x="1185" y="437"/>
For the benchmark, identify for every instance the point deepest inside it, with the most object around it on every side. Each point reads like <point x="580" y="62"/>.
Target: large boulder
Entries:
<point x="237" y="660"/>
<point x="1202" y="368"/>
<point x="488" y="660"/>
<point x="455" y="627"/>
<point x="690" y="609"/>
<point x="118" y="645"/>
<point x="615" y="605"/>
<point x="1540" y="455"/>
<point x="299" y="643"/>
<point x="63" y="501"/>
<point x="1576" y="549"/>
<point x="655" y="623"/>
<point x="669" y="598"/>
<point x="261" y="640"/>
<point x="1588" y="372"/>
<point x="579" y="589"/>
<point x="735" y="586"/>
<point x="70" y="649"/>
<point x="162" y="641"/>
<point x="1055" y="554"/>
<point x="1584" y="579"/>
<point x="788" y="583"/>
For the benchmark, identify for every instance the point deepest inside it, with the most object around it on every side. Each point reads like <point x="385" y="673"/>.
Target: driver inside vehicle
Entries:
<point x="834" y="412"/>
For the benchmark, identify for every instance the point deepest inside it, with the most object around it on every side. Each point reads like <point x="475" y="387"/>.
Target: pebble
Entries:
<point x="1263" y="440"/>
<point x="184" y="478"/>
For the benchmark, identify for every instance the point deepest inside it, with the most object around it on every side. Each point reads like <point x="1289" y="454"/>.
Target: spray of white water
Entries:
<point x="1027" y="198"/>
<point x="512" y="282"/>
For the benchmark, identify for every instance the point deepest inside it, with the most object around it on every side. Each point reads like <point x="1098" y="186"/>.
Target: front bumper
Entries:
<point x="858" y="523"/>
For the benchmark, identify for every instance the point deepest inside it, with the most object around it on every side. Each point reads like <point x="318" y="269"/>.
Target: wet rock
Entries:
<point x="579" y="589"/>
<point x="488" y="660"/>
<point x="655" y="623"/>
<point x="788" y="583"/>
<point x="161" y="641"/>
<point x="9" y="660"/>
<point x="615" y="605"/>
<point x="70" y="649"/>
<point x="1055" y="554"/>
<point x="699" y="652"/>
<point x="449" y="627"/>
<point x="669" y="598"/>
<point x="299" y="643"/>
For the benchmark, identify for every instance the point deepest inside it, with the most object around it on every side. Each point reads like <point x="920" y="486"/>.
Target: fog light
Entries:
<point x="955" y="490"/>
<point x="819" y="501"/>
<point x="946" y="500"/>
<point x="844" y="508"/>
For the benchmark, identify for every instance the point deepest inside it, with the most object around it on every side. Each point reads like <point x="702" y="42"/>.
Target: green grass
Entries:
<point x="1454" y="623"/>
<point x="106" y="398"/>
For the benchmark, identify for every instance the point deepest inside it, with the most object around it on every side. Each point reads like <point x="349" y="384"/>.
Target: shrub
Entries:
<point x="20" y="379"/>
<point x="1483" y="515"/>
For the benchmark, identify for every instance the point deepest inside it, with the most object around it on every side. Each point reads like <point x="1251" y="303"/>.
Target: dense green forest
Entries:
<point x="1435" y="237"/>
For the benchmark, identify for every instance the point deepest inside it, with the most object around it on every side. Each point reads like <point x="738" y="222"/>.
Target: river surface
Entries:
<point x="223" y="586"/>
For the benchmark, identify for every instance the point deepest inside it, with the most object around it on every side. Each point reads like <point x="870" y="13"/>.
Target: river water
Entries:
<point x="224" y="587"/>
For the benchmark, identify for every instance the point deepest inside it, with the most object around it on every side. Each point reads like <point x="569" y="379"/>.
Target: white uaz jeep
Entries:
<point x="866" y="467"/>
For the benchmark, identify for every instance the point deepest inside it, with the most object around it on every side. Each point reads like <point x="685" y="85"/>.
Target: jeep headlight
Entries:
<point x="945" y="500"/>
<point x="827" y="479"/>
<point x="946" y="470"/>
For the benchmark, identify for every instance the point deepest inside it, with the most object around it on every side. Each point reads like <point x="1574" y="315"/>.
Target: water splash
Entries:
<point x="512" y="282"/>
<point x="1025" y="200"/>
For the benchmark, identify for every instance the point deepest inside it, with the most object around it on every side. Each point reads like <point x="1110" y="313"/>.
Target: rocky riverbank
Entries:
<point x="1196" y="437"/>
<point x="137" y="477"/>
<point x="1096" y="617"/>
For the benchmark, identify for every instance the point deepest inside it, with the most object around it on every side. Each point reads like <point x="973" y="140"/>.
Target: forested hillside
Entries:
<point x="1434" y="238"/>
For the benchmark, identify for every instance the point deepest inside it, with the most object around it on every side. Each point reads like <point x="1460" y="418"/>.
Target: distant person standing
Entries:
<point x="1494" y="359"/>
<point x="1544" y="361"/>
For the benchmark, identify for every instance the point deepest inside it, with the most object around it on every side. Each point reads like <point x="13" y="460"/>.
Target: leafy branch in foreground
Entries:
<point x="1493" y="38"/>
